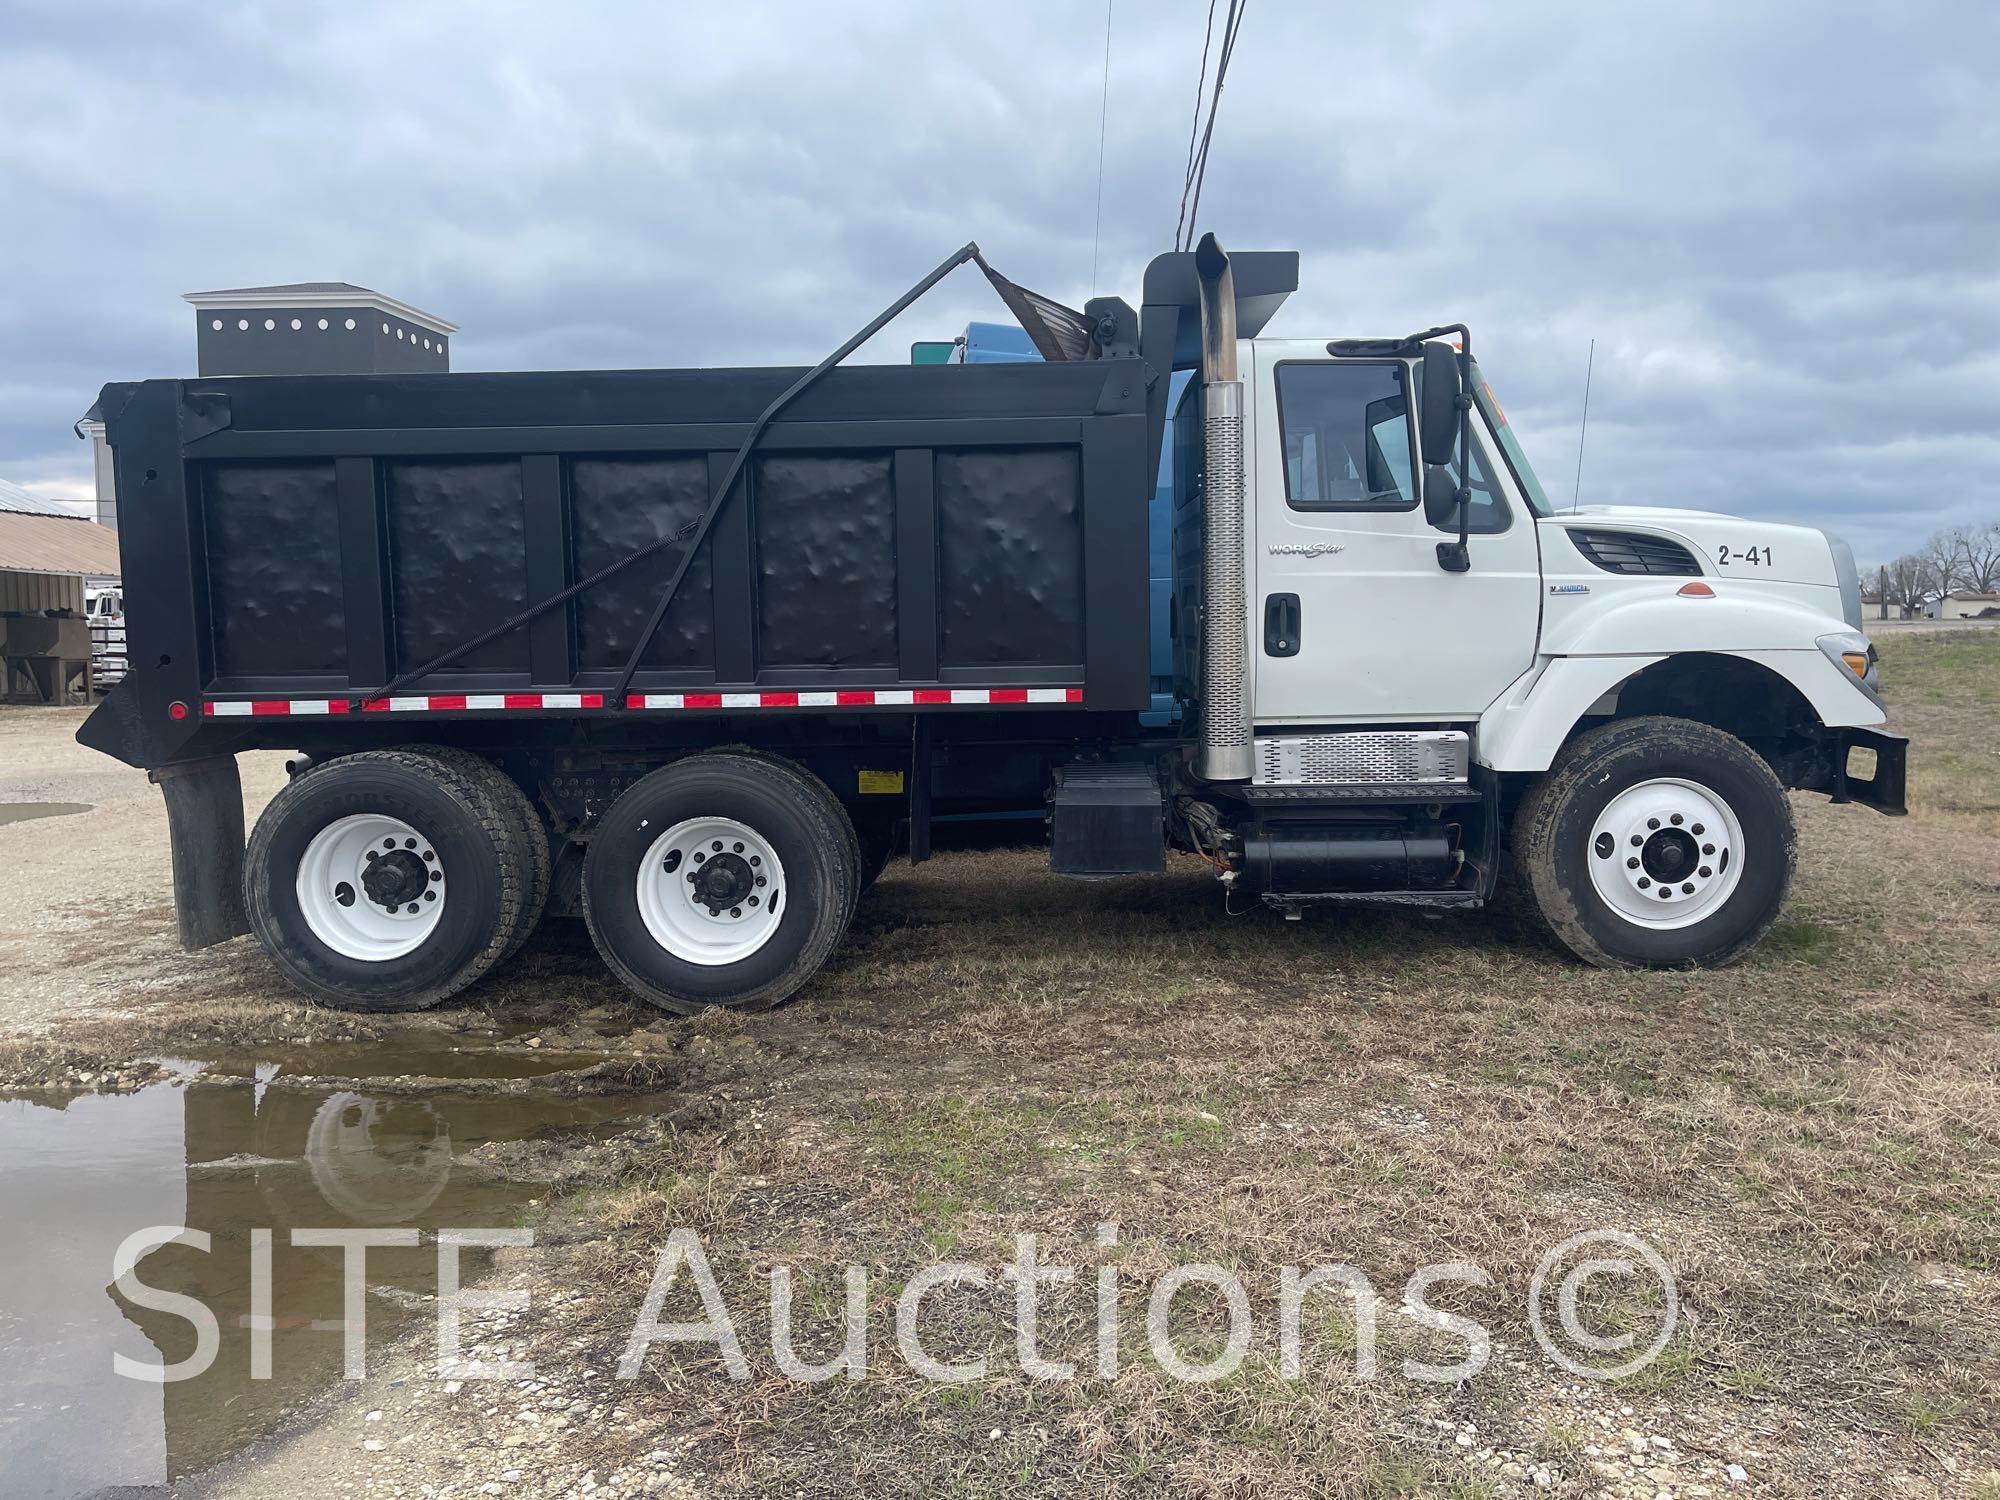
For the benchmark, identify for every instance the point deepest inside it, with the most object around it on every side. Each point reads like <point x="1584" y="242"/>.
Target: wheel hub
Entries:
<point x="1665" y="853"/>
<point x="723" y="881"/>
<point x="710" y="890"/>
<point x="371" y="887"/>
<point x="1670" y="854"/>
<point x="395" y="879"/>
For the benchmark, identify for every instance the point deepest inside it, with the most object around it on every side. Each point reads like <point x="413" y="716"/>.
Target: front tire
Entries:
<point x="383" y="881"/>
<point x="723" y="879"/>
<point x="1657" y="843"/>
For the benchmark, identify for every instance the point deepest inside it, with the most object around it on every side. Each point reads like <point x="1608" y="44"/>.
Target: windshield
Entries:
<point x="1524" y="473"/>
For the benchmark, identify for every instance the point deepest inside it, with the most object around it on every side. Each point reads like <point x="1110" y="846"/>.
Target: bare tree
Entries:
<point x="1909" y="583"/>
<point x="1940" y="558"/>
<point x="1976" y="556"/>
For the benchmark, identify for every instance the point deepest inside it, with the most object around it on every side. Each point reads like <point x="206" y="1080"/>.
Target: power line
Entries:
<point x="1232" y="23"/>
<point x="1195" y="127"/>
<point x="1103" y="117"/>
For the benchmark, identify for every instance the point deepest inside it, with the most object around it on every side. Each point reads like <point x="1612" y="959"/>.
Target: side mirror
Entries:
<point x="1440" y="498"/>
<point x="1438" y="415"/>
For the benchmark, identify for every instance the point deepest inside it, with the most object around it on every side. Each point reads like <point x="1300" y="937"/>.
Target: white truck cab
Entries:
<point x="1440" y="669"/>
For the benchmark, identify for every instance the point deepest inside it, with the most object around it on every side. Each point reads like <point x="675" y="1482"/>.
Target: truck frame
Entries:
<point x="689" y="652"/>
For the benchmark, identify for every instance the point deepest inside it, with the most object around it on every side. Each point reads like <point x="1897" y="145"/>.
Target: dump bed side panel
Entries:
<point x="903" y="540"/>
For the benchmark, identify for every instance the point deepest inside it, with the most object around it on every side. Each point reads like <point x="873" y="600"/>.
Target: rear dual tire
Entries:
<point x="725" y="879"/>
<point x="384" y="881"/>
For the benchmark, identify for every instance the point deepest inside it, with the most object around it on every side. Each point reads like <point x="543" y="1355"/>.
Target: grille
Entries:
<point x="1630" y="552"/>
<point x="1412" y="757"/>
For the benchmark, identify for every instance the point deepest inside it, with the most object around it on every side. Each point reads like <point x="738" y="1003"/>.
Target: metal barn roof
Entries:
<point x="56" y="544"/>
<point x="17" y="501"/>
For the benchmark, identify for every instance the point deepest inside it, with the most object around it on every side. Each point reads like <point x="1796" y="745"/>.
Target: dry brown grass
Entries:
<point x="1812" y="1139"/>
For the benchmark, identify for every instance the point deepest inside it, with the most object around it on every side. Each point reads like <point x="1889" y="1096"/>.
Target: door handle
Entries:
<point x="1281" y="625"/>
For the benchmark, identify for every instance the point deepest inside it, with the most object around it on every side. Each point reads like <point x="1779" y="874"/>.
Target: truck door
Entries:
<point x="1352" y="619"/>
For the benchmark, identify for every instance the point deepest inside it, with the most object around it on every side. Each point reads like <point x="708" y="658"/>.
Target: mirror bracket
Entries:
<point x="1454" y="557"/>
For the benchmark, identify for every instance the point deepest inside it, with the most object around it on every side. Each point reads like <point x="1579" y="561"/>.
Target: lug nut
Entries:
<point x="1632" y="863"/>
<point x="1637" y="841"/>
<point x="1645" y="884"/>
<point x="755" y="861"/>
<point x="760" y="880"/>
<point x="1675" y="820"/>
<point x="1652" y="822"/>
<point x="1688" y="889"/>
<point x="737" y="847"/>
<point x="716" y="846"/>
<point x="388" y="843"/>
<point x="735" y="911"/>
<point x="412" y="908"/>
<point x="1696" y="830"/>
<point x="1708" y="848"/>
<point x="1704" y="872"/>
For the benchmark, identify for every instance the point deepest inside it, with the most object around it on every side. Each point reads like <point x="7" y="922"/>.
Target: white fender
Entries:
<point x="1596" y="649"/>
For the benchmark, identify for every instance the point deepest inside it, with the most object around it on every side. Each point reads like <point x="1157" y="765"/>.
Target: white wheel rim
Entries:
<point x="1665" y="853"/>
<point x="711" y="891"/>
<point x="345" y="900"/>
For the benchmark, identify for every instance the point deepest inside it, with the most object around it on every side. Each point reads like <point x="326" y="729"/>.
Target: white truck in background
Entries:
<point x="104" y="608"/>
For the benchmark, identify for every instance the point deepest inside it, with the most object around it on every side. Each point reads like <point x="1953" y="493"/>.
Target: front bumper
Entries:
<point x="1884" y="790"/>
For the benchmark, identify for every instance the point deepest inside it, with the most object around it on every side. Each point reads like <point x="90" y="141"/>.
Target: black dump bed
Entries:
<point x="957" y="538"/>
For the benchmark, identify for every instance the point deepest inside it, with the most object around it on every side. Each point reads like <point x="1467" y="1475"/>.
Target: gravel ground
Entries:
<point x="87" y="904"/>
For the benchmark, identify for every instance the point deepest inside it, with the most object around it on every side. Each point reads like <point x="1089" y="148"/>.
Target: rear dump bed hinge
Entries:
<point x="1108" y="819"/>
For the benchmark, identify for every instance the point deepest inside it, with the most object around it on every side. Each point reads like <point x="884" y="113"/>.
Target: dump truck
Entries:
<point x="688" y="652"/>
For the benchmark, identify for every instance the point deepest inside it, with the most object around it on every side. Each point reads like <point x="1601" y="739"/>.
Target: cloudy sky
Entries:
<point x="1780" y="221"/>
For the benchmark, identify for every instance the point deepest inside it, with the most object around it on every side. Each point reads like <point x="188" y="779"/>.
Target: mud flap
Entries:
<point x="205" y="825"/>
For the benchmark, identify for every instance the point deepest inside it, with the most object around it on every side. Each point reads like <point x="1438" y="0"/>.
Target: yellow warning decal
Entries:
<point x="879" y="782"/>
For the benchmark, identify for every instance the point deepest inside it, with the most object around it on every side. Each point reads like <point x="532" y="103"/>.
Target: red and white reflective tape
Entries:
<point x="430" y="703"/>
<point x="853" y="698"/>
<point x="245" y="708"/>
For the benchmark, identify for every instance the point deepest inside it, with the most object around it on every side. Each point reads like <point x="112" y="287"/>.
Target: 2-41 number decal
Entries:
<point x="1757" y="557"/>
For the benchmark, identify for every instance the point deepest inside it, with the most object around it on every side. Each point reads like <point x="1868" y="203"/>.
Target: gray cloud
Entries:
<point x="1777" y="221"/>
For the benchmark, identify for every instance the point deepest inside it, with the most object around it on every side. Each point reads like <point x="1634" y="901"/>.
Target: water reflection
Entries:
<point x="79" y="1175"/>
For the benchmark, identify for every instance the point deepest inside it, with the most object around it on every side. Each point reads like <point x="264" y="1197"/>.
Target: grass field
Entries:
<point x="1811" y="1139"/>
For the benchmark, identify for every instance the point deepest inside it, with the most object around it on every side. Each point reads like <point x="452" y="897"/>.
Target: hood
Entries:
<point x="1719" y="546"/>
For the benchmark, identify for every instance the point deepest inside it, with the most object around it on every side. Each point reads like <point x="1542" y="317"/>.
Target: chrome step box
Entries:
<point x="1419" y="759"/>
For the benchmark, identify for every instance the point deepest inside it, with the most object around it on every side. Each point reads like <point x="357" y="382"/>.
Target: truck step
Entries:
<point x="1376" y="763"/>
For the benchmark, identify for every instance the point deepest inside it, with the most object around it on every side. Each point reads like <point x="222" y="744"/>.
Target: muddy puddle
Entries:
<point x="24" y="812"/>
<point x="233" y="1146"/>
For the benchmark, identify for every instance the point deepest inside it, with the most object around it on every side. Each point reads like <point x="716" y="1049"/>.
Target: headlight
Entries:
<point x="1854" y="654"/>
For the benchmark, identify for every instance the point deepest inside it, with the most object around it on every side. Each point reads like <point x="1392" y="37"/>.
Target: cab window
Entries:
<point x="1347" y="439"/>
<point x="1489" y="507"/>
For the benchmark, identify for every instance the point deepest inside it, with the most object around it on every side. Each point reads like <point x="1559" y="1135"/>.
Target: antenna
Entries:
<point x="1103" y="118"/>
<point x="1584" y="426"/>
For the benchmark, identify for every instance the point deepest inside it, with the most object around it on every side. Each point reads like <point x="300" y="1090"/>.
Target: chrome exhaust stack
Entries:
<point x="1227" y="752"/>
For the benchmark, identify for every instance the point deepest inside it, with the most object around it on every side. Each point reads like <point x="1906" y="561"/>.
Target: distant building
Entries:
<point x="299" y="328"/>
<point x="49" y="557"/>
<point x="1965" y="604"/>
